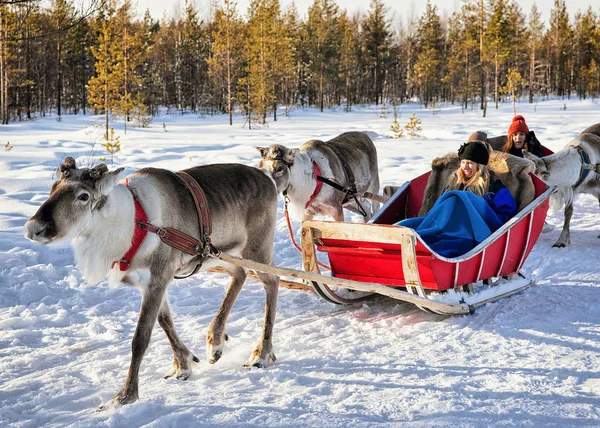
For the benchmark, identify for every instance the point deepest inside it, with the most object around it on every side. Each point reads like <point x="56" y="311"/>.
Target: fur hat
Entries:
<point x="474" y="151"/>
<point x="518" y="125"/>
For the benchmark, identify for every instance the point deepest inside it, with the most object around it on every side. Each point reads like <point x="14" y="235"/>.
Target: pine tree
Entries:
<point x="536" y="29"/>
<point x="59" y="15"/>
<point x="586" y="48"/>
<point x="413" y="126"/>
<point x="261" y="50"/>
<point x="224" y="64"/>
<point x="430" y="46"/>
<point x="497" y="37"/>
<point x="560" y="44"/>
<point x="118" y="54"/>
<point x="104" y="87"/>
<point x="322" y="48"/>
<point x="513" y="82"/>
<point x="349" y="70"/>
<point x="377" y="38"/>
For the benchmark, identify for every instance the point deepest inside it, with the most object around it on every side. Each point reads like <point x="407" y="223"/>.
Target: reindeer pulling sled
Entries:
<point x="381" y="258"/>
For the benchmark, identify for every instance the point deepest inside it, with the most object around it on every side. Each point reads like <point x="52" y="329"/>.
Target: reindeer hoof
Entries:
<point x="560" y="245"/>
<point x="261" y="362"/>
<point x="182" y="369"/>
<point x="122" y="398"/>
<point x="215" y="351"/>
<point x="216" y="356"/>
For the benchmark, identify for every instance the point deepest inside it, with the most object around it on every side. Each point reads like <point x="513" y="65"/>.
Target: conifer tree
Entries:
<point x="536" y="29"/>
<point x="498" y="43"/>
<point x="262" y="47"/>
<point x="349" y="60"/>
<point x="586" y="44"/>
<point x="377" y="44"/>
<point x="430" y="46"/>
<point x="560" y="46"/>
<point x="224" y="63"/>
<point x="117" y="55"/>
<point x="322" y="47"/>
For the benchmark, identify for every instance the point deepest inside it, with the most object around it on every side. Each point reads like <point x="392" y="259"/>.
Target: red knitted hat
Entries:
<point x="518" y="125"/>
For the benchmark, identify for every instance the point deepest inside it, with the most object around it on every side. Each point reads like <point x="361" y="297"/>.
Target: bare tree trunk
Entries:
<point x="531" y="73"/>
<point x="59" y="74"/>
<point x="229" y="106"/>
<point x="3" y="78"/>
<point x="481" y="70"/>
<point x="496" y="73"/>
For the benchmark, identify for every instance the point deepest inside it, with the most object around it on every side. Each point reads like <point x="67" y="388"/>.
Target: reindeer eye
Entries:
<point x="83" y="197"/>
<point x="279" y="168"/>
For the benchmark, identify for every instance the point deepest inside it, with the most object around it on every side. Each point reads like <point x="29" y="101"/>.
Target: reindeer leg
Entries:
<point x="182" y="357"/>
<point x="263" y="354"/>
<point x="151" y="300"/>
<point x="598" y="204"/>
<point x="565" y="236"/>
<point x="216" y="337"/>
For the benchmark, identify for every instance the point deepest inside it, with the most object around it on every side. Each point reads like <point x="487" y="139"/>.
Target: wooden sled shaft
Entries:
<point x="454" y="309"/>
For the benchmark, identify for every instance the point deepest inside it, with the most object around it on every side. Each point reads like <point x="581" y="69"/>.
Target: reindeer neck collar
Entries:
<point x="586" y="166"/>
<point x="138" y="234"/>
<point x="317" y="174"/>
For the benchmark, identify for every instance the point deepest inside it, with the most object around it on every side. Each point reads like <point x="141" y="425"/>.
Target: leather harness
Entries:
<point x="586" y="166"/>
<point x="171" y="236"/>
<point x="350" y="192"/>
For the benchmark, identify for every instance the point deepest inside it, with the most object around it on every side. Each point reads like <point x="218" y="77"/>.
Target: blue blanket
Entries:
<point x="457" y="222"/>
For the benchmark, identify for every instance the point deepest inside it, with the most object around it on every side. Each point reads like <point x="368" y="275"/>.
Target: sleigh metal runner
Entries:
<point x="393" y="261"/>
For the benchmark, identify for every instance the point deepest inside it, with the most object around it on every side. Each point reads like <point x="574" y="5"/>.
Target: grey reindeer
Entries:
<point x="90" y="207"/>
<point x="348" y="161"/>
<point x="574" y="170"/>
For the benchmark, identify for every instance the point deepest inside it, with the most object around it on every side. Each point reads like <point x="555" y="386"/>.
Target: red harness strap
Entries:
<point x="316" y="173"/>
<point x="138" y="235"/>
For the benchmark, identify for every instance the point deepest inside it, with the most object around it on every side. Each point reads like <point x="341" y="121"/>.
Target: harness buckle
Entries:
<point x="161" y="232"/>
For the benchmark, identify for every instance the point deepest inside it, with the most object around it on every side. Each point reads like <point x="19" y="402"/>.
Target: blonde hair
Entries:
<point x="477" y="184"/>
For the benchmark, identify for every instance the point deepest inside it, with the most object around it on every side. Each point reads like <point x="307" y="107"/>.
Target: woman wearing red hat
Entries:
<point x="519" y="137"/>
<point x="474" y="205"/>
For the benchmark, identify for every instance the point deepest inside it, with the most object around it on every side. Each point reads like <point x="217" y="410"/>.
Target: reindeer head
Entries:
<point x="542" y="169"/>
<point x="75" y="197"/>
<point x="276" y="160"/>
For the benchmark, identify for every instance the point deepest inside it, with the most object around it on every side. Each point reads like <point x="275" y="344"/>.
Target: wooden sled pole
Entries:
<point x="450" y="309"/>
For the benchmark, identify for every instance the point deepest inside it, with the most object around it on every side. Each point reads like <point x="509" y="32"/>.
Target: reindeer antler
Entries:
<point x="95" y="172"/>
<point x="67" y="167"/>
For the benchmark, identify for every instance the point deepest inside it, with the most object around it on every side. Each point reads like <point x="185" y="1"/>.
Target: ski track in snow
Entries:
<point x="529" y="360"/>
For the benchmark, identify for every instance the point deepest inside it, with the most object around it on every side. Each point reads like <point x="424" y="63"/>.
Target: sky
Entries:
<point x="530" y="360"/>
<point x="409" y="7"/>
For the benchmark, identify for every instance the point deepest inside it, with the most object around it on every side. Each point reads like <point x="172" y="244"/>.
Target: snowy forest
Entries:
<point x="67" y="58"/>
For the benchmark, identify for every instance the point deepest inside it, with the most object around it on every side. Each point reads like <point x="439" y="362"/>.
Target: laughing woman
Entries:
<point x="473" y="206"/>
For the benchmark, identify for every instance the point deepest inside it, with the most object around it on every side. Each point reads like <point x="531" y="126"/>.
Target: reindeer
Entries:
<point x="320" y="177"/>
<point x="574" y="170"/>
<point x="103" y="218"/>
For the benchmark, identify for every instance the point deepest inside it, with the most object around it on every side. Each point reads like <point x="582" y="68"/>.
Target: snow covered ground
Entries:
<point x="530" y="360"/>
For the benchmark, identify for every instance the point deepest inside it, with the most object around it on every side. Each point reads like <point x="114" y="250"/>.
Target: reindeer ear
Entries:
<point x="66" y="168"/>
<point x="489" y="148"/>
<point x="293" y="153"/>
<point x="107" y="182"/>
<point x="529" y="156"/>
<point x="263" y="151"/>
